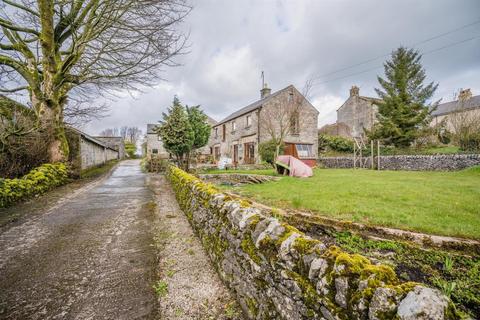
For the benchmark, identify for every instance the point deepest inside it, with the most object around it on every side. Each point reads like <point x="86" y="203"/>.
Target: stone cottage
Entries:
<point x="154" y="143"/>
<point x="239" y="134"/>
<point x="356" y="113"/>
<point x="466" y="109"/>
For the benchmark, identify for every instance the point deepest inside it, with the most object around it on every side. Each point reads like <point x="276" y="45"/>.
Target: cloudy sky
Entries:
<point x="231" y="42"/>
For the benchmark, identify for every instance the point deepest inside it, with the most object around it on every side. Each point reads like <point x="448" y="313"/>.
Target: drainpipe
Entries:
<point x="258" y="132"/>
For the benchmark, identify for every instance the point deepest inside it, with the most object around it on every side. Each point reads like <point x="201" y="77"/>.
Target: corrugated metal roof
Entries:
<point x="449" y="107"/>
<point x="90" y="138"/>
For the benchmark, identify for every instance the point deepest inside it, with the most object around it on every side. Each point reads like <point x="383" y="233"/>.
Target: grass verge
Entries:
<point x="98" y="170"/>
<point x="442" y="203"/>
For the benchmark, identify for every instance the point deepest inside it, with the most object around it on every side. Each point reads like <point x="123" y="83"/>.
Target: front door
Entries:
<point x="249" y="152"/>
<point x="235" y="154"/>
<point x="290" y="150"/>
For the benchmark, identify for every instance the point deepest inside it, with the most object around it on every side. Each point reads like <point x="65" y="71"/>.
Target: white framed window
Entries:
<point x="304" y="150"/>
<point x="249" y="120"/>
<point x="234" y="126"/>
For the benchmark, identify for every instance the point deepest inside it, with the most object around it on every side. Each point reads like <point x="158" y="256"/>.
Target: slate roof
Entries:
<point x="253" y="106"/>
<point x="151" y="127"/>
<point x="449" y="107"/>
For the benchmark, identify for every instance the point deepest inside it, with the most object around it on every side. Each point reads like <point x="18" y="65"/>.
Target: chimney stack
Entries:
<point x="465" y="94"/>
<point x="354" y="91"/>
<point x="265" y="91"/>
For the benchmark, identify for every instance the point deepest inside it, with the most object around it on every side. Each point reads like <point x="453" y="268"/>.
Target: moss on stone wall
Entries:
<point x="296" y="276"/>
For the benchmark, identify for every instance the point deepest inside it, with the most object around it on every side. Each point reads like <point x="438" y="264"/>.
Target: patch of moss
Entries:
<point x="252" y="306"/>
<point x="249" y="248"/>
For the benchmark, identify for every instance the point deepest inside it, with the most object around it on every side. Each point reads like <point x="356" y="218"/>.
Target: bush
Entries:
<point x="267" y="151"/>
<point x="334" y="143"/>
<point x="470" y="142"/>
<point x="37" y="181"/>
<point x="23" y="144"/>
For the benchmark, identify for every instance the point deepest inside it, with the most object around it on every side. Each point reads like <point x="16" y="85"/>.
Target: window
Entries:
<point x="304" y="150"/>
<point x="224" y="132"/>
<point x="295" y="123"/>
<point x="154" y="151"/>
<point x="290" y="97"/>
<point x="234" y="126"/>
<point x="216" y="133"/>
<point x="249" y="121"/>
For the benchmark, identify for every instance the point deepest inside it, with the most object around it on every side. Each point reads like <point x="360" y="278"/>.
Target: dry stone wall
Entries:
<point x="276" y="272"/>
<point x="410" y="162"/>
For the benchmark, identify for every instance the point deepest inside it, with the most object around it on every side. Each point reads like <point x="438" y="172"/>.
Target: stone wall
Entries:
<point x="276" y="272"/>
<point x="409" y="162"/>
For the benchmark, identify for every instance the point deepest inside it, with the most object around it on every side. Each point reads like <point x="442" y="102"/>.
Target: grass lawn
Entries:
<point x="443" y="203"/>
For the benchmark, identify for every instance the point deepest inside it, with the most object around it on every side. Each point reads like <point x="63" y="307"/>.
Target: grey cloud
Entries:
<point x="232" y="41"/>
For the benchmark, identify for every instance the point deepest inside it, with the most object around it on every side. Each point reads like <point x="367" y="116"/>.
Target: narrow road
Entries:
<point x="95" y="254"/>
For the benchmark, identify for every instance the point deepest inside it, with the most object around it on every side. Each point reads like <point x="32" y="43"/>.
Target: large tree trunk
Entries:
<point x="51" y="118"/>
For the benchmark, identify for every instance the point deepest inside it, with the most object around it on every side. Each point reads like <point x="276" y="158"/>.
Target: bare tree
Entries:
<point x="56" y="49"/>
<point x="110" y="132"/>
<point x="464" y="121"/>
<point x="133" y="134"/>
<point x="284" y="117"/>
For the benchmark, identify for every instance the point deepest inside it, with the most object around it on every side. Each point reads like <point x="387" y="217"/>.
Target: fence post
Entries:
<point x="378" y="154"/>
<point x="354" y="156"/>
<point x="371" y="155"/>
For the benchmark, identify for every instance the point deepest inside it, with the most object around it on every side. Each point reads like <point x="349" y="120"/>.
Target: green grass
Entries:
<point x="443" y="203"/>
<point x="98" y="170"/>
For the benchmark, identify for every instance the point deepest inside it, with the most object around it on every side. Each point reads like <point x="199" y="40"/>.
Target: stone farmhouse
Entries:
<point x="355" y="114"/>
<point x="358" y="113"/>
<point x="154" y="146"/>
<point x="239" y="134"/>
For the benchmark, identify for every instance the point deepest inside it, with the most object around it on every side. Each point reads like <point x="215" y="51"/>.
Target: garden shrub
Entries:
<point x="334" y="143"/>
<point x="267" y="151"/>
<point x="470" y="142"/>
<point x="37" y="181"/>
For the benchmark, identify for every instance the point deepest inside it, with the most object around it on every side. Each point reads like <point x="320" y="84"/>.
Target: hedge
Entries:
<point x="37" y="181"/>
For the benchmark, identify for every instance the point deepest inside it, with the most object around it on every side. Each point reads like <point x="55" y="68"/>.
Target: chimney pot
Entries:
<point x="465" y="94"/>
<point x="265" y="91"/>
<point x="354" y="91"/>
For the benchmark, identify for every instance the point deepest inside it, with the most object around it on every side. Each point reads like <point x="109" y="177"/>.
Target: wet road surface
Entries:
<point x="91" y="256"/>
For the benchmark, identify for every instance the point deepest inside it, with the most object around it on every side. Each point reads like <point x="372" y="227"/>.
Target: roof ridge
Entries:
<point x="251" y="107"/>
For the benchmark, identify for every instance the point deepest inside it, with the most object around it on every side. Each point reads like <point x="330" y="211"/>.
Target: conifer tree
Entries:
<point x="403" y="110"/>
<point x="201" y="128"/>
<point x="176" y="132"/>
